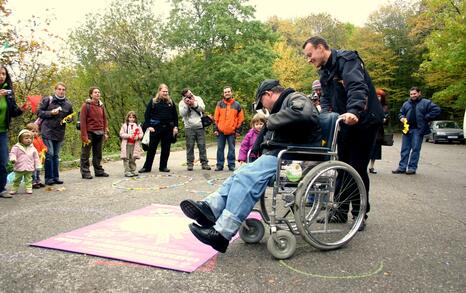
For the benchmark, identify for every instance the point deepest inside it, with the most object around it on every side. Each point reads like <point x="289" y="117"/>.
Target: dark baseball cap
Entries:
<point x="266" y="85"/>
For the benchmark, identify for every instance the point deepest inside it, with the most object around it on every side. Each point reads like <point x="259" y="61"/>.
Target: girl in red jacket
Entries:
<point x="41" y="149"/>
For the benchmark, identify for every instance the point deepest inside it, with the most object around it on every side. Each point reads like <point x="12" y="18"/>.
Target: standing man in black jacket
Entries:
<point x="348" y="91"/>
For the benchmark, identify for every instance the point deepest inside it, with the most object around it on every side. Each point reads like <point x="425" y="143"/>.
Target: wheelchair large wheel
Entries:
<point x="252" y="231"/>
<point x="283" y="246"/>
<point x="330" y="205"/>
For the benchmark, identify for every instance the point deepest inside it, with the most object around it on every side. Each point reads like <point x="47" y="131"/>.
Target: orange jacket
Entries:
<point x="38" y="143"/>
<point x="229" y="117"/>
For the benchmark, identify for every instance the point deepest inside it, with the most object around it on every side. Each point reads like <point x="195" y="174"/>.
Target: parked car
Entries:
<point x="445" y="131"/>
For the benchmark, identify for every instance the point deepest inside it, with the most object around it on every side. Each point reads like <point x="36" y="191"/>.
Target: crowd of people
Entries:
<point x="284" y="116"/>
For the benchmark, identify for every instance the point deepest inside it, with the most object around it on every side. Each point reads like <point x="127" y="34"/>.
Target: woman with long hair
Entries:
<point x="161" y="119"/>
<point x="8" y="109"/>
<point x="376" y="152"/>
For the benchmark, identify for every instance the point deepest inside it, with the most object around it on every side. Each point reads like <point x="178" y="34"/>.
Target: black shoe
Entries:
<point x="398" y="171"/>
<point x="35" y="186"/>
<point x="210" y="237"/>
<point x="102" y="175"/>
<point x="206" y="167"/>
<point x="49" y="182"/>
<point x="410" y="172"/>
<point x="190" y="168"/>
<point x="199" y="211"/>
<point x="219" y="168"/>
<point x="372" y="171"/>
<point x="231" y="168"/>
<point x="58" y="181"/>
<point x="144" y="170"/>
<point x="87" y="176"/>
<point x="164" y="169"/>
<point x="334" y="218"/>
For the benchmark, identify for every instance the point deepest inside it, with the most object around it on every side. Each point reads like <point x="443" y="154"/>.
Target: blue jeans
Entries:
<point x="52" y="159"/>
<point x="235" y="199"/>
<point x="221" y="140"/>
<point x="410" y="150"/>
<point x="3" y="159"/>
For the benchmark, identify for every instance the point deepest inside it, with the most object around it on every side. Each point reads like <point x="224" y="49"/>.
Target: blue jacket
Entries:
<point x="426" y="111"/>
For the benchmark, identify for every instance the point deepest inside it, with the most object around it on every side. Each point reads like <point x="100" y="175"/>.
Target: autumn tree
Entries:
<point x="218" y="43"/>
<point x="444" y="63"/>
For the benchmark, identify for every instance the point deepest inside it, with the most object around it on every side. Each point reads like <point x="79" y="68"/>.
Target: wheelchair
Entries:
<point x="327" y="186"/>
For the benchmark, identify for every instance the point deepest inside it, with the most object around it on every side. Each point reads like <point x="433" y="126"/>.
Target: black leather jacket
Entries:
<point x="294" y="120"/>
<point x="347" y="87"/>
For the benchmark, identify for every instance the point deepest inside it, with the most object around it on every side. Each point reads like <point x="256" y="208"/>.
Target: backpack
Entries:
<point x="78" y="122"/>
<point x="39" y="120"/>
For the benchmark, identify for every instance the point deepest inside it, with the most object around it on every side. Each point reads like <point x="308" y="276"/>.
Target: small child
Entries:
<point x="131" y="135"/>
<point x="257" y="122"/>
<point x="25" y="159"/>
<point x="41" y="149"/>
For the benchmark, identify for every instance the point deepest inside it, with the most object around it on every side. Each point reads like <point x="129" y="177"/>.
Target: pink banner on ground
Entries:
<point x="157" y="235"/>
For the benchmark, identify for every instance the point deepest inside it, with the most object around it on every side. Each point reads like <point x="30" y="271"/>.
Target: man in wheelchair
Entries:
<point x="293" y="120"/>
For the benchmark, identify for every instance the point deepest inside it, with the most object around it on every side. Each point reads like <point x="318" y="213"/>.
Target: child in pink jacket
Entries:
<point x="257" y="122"/>
<point x="131" y="135"/>
<point x="25" y="159"/>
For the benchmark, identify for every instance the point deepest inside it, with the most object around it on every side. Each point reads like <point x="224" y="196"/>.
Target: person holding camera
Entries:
<point x="54" y="110"/>
<point x="191" y="109"/>
<point x="8" y="109"/>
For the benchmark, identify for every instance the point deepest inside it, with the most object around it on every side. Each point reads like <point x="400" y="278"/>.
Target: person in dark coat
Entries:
<point x="417" y="112"/>
<point x="376" y="152"/>
<point x="55" y="112"/>
<point x="8" y="110"/>
<point x="161" y="119"/>
<point x="347" y="90"/>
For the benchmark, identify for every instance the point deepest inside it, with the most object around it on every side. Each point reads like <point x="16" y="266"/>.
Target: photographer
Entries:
<point x="191" y="109"/>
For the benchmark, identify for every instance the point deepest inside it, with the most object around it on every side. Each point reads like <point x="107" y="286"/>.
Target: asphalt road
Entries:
<point x="415" y="240"/>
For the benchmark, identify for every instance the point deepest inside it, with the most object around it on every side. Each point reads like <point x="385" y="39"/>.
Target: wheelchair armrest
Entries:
<point x="308" y="149"/>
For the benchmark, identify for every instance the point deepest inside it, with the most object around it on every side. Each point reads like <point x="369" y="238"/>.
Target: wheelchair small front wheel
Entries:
<point x="252" y="231"/>
<point x="283" y="246"/>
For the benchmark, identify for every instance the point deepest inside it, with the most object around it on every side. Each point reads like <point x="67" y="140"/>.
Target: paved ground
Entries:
<point x="414" y="241"/>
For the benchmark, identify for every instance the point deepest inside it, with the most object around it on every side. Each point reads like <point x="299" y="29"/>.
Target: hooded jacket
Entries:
<point x="26" y="157"/>
<point x="426" y="111"/>
<point x="229" y="117"/>
<point x="52" y="127"/>
<point x="92" y="118"/>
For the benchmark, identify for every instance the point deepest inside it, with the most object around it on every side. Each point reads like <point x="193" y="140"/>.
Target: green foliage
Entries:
<point x="120" y="52"/>
<point x="444" y="64"/>
<point x="218" y="44"/>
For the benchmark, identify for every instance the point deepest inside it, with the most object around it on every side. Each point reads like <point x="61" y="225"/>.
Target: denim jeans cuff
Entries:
<point x="227" y="224"/>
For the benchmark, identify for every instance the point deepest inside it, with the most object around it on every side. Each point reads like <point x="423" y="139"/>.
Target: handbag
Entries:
<point x="146" y="138"/>
<point x="387" y="139"/>
<point x="205" y="120"/>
